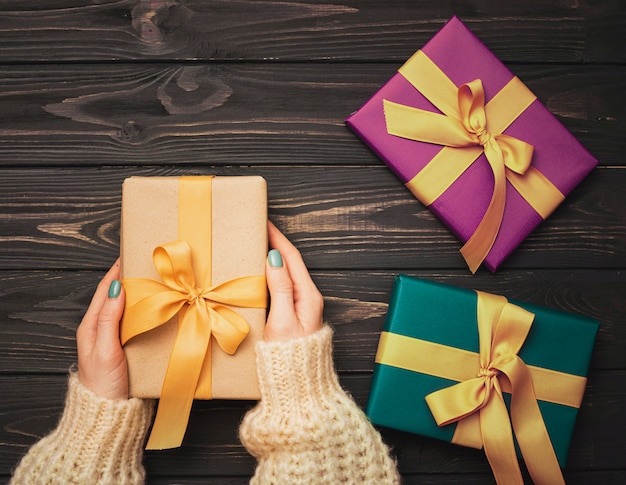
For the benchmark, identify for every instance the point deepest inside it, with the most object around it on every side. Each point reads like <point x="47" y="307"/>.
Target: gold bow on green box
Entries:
<point x="472" y="368"/>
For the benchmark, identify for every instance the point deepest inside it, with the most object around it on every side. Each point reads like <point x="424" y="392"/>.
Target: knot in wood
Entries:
<point x="129" y="131"/>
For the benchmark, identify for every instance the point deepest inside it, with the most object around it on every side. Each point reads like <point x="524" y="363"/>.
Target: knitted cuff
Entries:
<point x="98" y="440"/>
<point x="299" y="392"/>
<point x="306" y="429"/>
<point x="298" y="373"/>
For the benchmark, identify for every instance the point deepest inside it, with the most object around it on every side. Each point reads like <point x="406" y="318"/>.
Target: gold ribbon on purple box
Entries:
<point x="467" y="128"/>
<point x="186" y="290"/>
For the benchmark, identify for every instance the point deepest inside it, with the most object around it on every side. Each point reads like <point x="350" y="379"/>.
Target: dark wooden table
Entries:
<point x="93" y="92"/>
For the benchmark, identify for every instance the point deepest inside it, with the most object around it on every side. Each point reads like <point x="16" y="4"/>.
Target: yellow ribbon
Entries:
<point x="502" y="329"/>
<point x="185" y="289"/>
<point x="459" y="365"/>
<point x="467" y="128"/>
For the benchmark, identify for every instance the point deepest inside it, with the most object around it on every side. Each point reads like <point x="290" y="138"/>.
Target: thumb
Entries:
<point x="108" y="333"/>
<point x="282" y="314"/>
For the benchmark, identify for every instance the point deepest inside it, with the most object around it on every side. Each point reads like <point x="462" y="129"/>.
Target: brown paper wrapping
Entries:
<point x="239" y="245"/>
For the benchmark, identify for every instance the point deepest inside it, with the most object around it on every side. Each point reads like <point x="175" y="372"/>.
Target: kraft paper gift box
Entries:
<point x="442" y="159"/>
<point x="208" y="237"/>
<point x="430" y="342"/>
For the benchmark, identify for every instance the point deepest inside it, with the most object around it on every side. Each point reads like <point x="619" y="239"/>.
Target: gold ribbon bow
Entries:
<point x="467" y="128"/>
<point x="186" y="289"/>
<point x="502" y="328"/>
<point x="202" y="314"/>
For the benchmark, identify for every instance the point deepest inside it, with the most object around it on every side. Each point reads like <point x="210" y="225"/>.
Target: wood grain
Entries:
<point x="550" y="30"/>
<point x="355" y="218"/>
<point x="94" y="92"/>
<point x="247" y="113"/>
<point x="211" y="446"/>
<point x="40" y="311"/>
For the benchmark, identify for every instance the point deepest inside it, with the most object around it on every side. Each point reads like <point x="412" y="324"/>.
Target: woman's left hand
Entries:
<point x="101" y="360"/>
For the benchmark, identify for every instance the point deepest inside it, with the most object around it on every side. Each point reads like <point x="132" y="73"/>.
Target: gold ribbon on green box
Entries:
<point x="467" y="128"/>
<point x="476" y="402"/>
<point x="186" y="290"/>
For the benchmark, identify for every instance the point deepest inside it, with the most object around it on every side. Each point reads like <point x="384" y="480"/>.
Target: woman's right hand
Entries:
<point x="296" y="305"/>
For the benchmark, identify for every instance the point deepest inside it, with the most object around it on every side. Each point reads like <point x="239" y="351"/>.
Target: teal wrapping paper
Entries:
<point x="446" y="315"/>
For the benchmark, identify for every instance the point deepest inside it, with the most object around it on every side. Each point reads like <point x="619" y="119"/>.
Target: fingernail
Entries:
<point x="275" y="259"/>
<point x="114" y="289"/>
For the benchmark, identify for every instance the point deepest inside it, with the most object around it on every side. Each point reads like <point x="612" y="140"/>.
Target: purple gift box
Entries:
<point x="561" y="160"/>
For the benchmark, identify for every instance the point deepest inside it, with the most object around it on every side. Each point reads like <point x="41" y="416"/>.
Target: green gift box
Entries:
<point x="428" y="316"/>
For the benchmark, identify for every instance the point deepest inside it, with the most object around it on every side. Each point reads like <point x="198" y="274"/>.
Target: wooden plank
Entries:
<point x="572" y="478"/>
<point x="39" y="311"/>
<point x="224" y="114"/>
<point x="348" y="217"/>
<point x="356" y="305"/>
<point x="616" y="477"/>
<point x="239" y="87"/>
<point x="211" y="446"/>
<point x="549" y="30"/>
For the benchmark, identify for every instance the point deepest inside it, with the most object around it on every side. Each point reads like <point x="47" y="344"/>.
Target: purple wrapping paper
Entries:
<point x="558" y="155"/>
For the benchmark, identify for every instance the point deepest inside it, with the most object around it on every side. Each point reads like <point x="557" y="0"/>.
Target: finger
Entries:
<point x="86" y="333"/>
<point x="101" y="293"/>
<point x="293" y="260"/>
<point x="108" y="321"/>
<point x="307" y="300"/>
<point x="282" y="321"/>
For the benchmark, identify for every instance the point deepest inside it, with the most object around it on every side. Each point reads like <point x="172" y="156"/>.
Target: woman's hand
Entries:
<point x="101" y="360"/>
<point x="296" y="304"/>
<point x="296" y="311"/>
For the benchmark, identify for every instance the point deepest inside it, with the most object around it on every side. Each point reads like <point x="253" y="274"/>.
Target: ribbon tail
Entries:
<point x="181" y="378"/>
<point x="464" y="400"/>
<point x="530" y="430"/>
<point x="495" y="428"/>
<point x="478" y="246"/>
<point x="467" y="432"/>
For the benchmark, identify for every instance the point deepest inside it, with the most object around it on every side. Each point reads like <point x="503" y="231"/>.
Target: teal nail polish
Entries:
<point x="114" y="289"/>
<point x="275" y="259"/>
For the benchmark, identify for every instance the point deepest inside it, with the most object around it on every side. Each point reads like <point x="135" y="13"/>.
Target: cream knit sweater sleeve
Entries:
<point x="97" y="441"/>
<point x="306" y="429"/>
